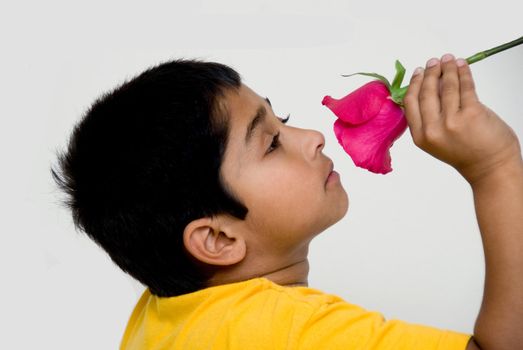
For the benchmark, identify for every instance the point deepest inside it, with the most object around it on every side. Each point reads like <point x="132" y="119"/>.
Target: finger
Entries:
<point x="429" y="101"/>
<point x="467" y="87"/>
<point x="450" y="94"/>
<point x="411" y="102"/>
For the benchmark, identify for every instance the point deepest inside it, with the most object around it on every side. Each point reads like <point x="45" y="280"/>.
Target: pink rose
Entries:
<point x="370" y="118"/>
<point x="369" y="122"/>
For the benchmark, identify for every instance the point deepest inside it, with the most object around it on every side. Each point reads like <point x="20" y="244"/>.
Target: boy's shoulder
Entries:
<point x="248" y="293"/>
<point x="251" y="310"/>
<point x="258" y="311"/>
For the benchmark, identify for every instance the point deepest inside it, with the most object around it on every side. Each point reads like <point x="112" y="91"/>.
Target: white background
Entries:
<point x="409" y="246"/>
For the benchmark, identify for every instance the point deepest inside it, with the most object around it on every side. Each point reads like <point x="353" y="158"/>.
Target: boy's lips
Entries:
<point x="330" y="170"/>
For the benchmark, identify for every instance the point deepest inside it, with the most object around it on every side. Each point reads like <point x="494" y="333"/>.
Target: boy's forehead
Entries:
<point x="243" y="105"/>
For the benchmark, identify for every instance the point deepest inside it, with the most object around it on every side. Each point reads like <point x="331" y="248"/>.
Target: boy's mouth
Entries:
<point x="330" y="170"/>
<point x="333" y="176"/>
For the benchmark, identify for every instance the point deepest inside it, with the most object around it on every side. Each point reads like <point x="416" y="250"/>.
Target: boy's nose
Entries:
<point x="314" y="144"/>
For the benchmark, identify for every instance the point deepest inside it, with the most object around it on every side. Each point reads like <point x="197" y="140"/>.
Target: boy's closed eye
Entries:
<point x="276" y="138"/>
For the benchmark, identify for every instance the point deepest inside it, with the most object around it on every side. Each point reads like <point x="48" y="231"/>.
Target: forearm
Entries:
<point x="498" y="200"/>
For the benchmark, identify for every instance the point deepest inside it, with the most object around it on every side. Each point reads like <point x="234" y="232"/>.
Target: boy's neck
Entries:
<point x="293" y="275"/>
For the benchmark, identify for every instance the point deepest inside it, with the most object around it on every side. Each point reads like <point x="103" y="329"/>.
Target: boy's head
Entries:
<point x="183" y="174"/>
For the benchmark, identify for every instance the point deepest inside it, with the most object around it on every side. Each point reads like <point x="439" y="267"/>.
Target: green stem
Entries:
<point x="478" y="57"/>
<point x="484" y="54"/>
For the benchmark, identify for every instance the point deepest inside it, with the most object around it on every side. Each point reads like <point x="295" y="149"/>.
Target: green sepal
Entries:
<point x="400" y="73"/>
<point x="397" y="95"/>
<point x="374" y="75"/>
<point x="396" y="91"/>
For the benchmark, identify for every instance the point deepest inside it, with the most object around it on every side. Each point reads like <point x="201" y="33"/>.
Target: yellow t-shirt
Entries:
<point x="259" y="314"/>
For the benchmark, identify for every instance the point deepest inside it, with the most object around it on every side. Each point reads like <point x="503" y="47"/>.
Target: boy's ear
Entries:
<point x="210" y="243"/>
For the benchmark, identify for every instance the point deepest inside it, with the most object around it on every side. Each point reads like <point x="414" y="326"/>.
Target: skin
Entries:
<point x="289" y="202"/>
<point x="447" y="120"/>
<point x="283" y="187"/>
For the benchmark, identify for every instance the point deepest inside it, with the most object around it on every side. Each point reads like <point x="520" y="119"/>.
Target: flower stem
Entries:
<point x="484" y="54"/>
<point x="478" y="57"/>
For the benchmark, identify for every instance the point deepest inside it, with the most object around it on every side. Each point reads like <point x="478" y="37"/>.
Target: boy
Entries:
<point x="194" y="187"/>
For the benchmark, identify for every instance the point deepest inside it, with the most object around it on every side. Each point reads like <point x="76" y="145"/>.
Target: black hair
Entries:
<point x="144" y="161"/>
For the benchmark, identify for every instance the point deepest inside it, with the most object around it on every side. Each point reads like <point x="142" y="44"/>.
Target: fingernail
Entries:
<point x="461" y="62"/>
<point x="417" y="71"/>
<point x="447" y="57"/>
<point x="432" y="62"/>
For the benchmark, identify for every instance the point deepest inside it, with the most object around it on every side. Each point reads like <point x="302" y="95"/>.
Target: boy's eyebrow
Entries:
<point x="258" y="119"/>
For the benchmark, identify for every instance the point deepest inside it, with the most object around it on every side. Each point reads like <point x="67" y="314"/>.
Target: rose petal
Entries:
<point x="369" y="144"/>
<point x="360" y="105"/>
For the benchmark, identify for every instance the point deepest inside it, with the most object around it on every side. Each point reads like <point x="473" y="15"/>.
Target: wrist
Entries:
<point x="510" y="169"/>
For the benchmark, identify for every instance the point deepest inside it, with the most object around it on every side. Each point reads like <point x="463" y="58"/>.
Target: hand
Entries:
<point x="447" y="120"/>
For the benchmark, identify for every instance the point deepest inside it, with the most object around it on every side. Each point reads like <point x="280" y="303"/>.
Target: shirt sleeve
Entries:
<point x="341" y="325"/>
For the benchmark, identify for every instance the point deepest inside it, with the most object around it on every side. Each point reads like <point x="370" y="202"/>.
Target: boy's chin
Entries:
<point x="342" y="208"/>
<point x="341" y="216"/>
<point x="336" y="217"/>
